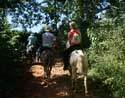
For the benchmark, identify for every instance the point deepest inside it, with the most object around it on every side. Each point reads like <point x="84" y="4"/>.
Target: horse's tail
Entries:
<point x="81" y="62"/>
<point x="84" y="63"/>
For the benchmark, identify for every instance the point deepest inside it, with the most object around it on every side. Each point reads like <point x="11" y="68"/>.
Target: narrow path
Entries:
<point x="57" y="87"/>
<point x="34" y="86"/>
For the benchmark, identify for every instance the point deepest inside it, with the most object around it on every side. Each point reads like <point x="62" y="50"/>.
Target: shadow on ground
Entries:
<point x="31" y="84"/>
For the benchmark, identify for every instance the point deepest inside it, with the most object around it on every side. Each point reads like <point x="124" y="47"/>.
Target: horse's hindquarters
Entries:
<point x="30" y="53"/>
<point x="47" y="58"/>
<point x="79" y="63"/>
<point x="79" y="66"/>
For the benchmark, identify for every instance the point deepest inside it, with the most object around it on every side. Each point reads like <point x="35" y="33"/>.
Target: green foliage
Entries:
<point x="107" y="54"/>
<point x="62" y="35"/>
<point x="9" y="42"/>
<point x="10" y="3"/>
<point x="27" y="14"/>
<point x="9" y="46"/>
<point x="10" y="60"/>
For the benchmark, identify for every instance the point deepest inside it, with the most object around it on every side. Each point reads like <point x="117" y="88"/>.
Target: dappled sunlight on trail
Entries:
<point x="34" y="85"/>
<point x="37" y="71"/>
<point x="56" y="87"/>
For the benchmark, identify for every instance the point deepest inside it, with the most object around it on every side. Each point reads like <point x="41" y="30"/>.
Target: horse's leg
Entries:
<point x="73" y="73"/>
<point x="85" y="69"/>
<point x="30" y="57"/>
<point x="45" y="71"/>
<point x="85" y="85"/>
<point x="48" y="72"/>
<point x="73" y="76"/>
<point x="36" y="58"/>
<point x="70" y="71"/>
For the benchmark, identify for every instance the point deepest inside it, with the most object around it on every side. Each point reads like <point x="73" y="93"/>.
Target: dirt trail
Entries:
<point x="34" y="86"/>
<point x="57" y="87"/>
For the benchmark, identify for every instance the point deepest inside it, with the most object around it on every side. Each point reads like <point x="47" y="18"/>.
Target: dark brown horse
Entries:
<point x="47" y="59"/>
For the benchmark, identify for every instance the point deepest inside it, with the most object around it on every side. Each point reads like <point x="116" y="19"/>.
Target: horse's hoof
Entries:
<point x="86" y="93"/>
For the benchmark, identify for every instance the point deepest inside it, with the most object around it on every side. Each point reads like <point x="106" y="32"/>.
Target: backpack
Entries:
<point x="76" y="38"/>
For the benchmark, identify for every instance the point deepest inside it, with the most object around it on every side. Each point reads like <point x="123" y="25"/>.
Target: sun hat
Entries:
<point x="47" y="28"/>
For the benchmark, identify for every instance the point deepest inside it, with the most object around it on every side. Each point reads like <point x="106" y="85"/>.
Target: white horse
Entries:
<point x="30" y="52"/>
<point x="78" y="67"/>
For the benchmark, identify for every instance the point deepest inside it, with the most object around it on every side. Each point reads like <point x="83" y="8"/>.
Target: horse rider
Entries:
<point x="32" y="41"/>
<point x="48" y="39"/>
<point x="73" y="43"/>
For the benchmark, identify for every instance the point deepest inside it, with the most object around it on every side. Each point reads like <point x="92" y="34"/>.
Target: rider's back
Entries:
<point x="47" y="39"/>
<point x="32" y="40"/>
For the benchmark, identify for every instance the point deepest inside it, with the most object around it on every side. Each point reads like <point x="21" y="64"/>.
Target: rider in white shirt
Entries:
<point x="32" y="39"/>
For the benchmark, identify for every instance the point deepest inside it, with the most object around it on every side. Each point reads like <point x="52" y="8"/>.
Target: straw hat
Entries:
<point x="47" y="28"/>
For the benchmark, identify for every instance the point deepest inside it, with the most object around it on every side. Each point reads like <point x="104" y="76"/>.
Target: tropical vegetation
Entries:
<point x="104" y="40"/>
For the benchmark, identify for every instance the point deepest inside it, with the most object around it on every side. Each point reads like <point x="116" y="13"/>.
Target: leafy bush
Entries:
<point x="107" y="56"/>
